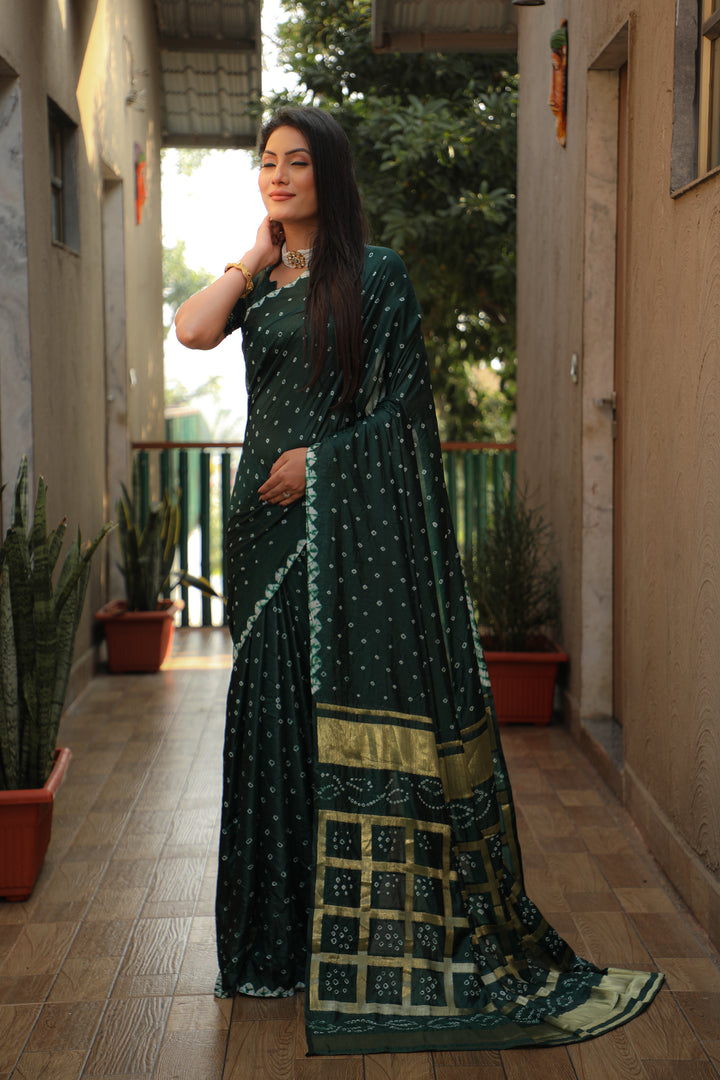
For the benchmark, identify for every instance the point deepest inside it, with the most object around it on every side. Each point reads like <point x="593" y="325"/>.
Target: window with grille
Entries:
<point x="62" y="134"/>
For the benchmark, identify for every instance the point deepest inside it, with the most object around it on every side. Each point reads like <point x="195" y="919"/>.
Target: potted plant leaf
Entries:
<point x="38" y="624"/>
<point x="139" y="630"/>
<point x="513" y="584"/>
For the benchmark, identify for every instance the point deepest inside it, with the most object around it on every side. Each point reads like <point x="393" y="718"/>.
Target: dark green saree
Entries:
<point x="369" y="847"/>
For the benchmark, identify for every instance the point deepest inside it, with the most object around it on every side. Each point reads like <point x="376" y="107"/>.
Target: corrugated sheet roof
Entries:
<point x="210" y="64"/>
<point x="460" y="25"/>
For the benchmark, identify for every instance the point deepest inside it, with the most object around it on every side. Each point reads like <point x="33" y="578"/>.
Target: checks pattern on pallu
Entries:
<point x="421" y="941"/>
<point x="420" y="934"/>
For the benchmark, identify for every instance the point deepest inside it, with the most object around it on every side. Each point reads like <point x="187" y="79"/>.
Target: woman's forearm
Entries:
<point x="200" y="320"/>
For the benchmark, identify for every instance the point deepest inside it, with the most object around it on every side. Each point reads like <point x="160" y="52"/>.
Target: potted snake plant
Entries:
<point x="513" y="584"/>
<point x="139" y="630"/>
<point x="38" y="625"/>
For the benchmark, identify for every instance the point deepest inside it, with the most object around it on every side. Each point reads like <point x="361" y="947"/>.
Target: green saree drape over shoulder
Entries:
<point x="369" y="847"/>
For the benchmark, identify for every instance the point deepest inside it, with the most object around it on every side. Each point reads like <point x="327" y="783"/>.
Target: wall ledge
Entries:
<point x="690" y="877"/>
<point x="600" y="739"/>
<point x="82" y="673"/>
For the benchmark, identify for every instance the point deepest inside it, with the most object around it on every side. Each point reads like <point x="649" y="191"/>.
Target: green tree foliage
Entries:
<point x="188" y="160"/>
<point x="179" y="281"/>
<point x="434" y="137"/>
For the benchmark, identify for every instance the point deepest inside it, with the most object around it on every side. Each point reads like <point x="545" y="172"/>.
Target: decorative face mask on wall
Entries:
<point x="558" y="87"/>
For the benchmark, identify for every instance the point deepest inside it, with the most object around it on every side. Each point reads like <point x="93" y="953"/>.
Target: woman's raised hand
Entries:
<point x="268" y="242"/>
<point x="286" y="483"/>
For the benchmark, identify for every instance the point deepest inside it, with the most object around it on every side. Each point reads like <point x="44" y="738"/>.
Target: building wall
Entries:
<point x="79" y="321"/>
<point x="667" y="632"/>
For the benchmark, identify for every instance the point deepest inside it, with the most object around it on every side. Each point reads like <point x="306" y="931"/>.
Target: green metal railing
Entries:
<point x="474" y="474"/>
<point x="202" y="475"/>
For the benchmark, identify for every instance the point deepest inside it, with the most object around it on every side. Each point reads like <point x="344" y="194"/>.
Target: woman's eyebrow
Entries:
<point x="297" y="150"/>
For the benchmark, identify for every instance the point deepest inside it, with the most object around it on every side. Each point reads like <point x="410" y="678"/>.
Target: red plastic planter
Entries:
<point x="138" y="640"/>
<point x="25" y="824"/>
<point x="523" y="683"/>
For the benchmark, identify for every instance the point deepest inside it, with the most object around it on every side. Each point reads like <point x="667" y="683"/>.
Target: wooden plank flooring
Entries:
<point x="108" y="970"/>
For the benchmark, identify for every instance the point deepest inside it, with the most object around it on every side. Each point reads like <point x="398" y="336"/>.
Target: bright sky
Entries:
<point x="216" y="212"/>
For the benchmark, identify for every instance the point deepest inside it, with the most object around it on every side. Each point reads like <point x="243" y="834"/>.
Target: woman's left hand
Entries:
<point x="286" y="483"/>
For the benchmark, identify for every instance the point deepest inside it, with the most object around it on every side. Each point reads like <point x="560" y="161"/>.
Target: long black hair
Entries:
<point x="335" y="283"/>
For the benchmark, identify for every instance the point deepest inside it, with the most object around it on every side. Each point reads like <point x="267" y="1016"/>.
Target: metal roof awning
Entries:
<point x="210" y="70"/>
<point x="443" y="25"/>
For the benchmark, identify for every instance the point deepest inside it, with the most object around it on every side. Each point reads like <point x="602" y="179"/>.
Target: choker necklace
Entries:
<point x="296" y="260"/>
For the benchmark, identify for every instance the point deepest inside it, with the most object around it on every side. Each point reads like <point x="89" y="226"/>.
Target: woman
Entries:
<point x="368" y="846"/>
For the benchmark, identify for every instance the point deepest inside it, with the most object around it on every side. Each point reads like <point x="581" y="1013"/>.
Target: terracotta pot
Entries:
<point x="523" y="683"/>
<point x="25" y="825"/>
<point x="138" y="640"/>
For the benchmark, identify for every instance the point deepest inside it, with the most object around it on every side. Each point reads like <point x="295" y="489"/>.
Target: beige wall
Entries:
<point x="669" y="401"/>
<point x="79" y="54"/>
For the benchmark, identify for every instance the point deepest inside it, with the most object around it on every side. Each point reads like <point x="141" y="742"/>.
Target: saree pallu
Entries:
<point x="420" y="934"/>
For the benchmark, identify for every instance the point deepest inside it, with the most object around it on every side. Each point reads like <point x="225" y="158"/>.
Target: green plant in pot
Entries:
<point x="147" y="552"/>
<point x="38" y="624"/>
<point x="39" y="618"/>
<point x="513" y="583"/>
<point x="139" y="630"/>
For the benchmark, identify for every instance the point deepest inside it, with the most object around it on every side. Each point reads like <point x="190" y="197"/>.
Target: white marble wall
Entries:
<point x="16" y="424"/>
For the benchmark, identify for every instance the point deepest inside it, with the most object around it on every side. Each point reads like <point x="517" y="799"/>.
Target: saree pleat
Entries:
<point x="419" y="933"/>
<point x="265" y="870"/>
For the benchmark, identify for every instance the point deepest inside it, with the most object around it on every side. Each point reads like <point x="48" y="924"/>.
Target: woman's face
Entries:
<point x="287" y="183"/>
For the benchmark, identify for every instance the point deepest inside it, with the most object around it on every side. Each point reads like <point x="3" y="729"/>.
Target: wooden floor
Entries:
<point x="108" y="969"/>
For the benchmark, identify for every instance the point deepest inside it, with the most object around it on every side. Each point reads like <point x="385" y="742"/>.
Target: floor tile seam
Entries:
<point x="56" y="975"/>
<point x="78" y="700"/>
<point x="210" y="849"/>
<point x="696" y="1034"/>
<point x="587" y="770"/>
<point x="598" y="784"/>
<point x="627" y="826"/>
<point x="715" y="1068"/>
<point x="159" y="1042"/>
<point x="683" y="910"/>
<point x="101" y="882"/>
<point x="86" y="1058"/>
<point x="687" y="918"/>
<point x="211" y="843"/>
<point x="30" y="921"/>
<point x="135" y="921"/>
<point x="624" y="822"/>
<point x="97" y="738"/>
<point x="71" y="841"/>
<point x="191" y="918"/>
<point x="225" y="1052"/>
<point x="122" y="957"/>
<point x="18" y="1059"/>
<point x="109" y="994"/>
<point x="133" y="806"/>
<point x="564" y="1047"/>
<point x="142" y="903"/>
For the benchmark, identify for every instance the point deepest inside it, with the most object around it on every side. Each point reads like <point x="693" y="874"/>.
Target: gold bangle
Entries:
<point x="245" y="273"/>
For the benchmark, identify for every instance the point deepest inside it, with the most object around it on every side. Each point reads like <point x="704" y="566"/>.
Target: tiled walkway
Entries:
<point x="107" y="971"/>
